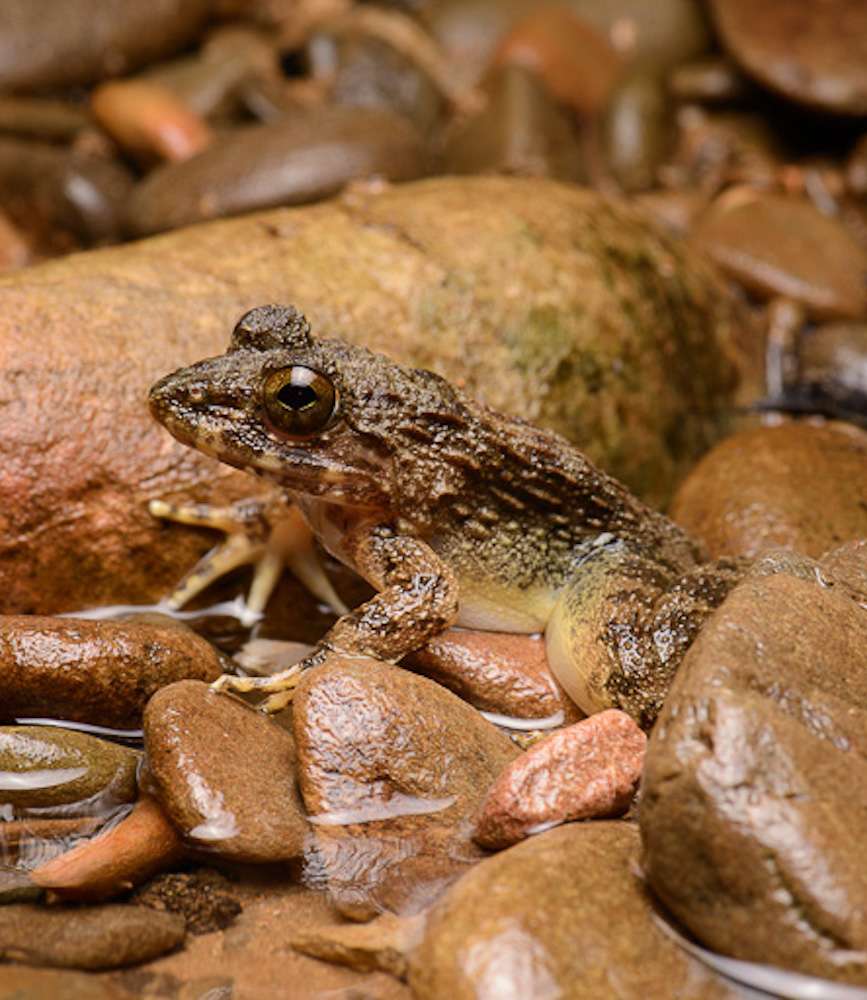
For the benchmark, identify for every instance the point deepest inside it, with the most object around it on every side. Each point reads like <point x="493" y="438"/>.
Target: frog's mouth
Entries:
<point x="332" y="465"/>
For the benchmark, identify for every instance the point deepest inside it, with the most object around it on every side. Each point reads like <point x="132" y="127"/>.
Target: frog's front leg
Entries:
<point x="620" y="629"/>
<point x="268" y="533"/>
<point x="417" y="599"/>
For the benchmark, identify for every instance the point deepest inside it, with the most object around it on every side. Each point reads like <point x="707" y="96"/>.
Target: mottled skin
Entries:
<point x="455" y="513"/>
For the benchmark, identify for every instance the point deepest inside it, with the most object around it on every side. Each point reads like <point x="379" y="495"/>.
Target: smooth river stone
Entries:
<point x="587" y="770"/>
<point x="560" y="915"/>
<point x="55" y="43"/>
<point x="812" y="53"/>
<point x="391" y="766"/>
<point x="98" y="672"/>
<point x="500" y="672"/>
<point x="797" y="485"/>
<point x="46" y="769"/>
<point x="304" y="157"/>
<point x="224" y="774"/>
<point x="87" y="937"/>
<point x="774" y="244"/>
<point x="543" y="299"/>
<point x="752" y="808"/>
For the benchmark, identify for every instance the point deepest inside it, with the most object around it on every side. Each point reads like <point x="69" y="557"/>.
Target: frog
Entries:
<point x="455" y="514"/>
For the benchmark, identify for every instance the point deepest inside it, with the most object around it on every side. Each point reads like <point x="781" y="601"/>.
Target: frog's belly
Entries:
<point x="495" y="608"/>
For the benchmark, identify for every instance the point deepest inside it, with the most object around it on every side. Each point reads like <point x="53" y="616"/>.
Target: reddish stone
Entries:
<point x="586" y="770"/>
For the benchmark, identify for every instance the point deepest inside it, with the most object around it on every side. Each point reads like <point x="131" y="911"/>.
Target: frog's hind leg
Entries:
<point x="621" y="627"/>
<point x="267" y="535"/>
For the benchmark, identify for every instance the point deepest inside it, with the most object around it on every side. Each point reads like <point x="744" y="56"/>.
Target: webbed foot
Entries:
<point x="280" y="688"/>
<point x="268" y="534"/>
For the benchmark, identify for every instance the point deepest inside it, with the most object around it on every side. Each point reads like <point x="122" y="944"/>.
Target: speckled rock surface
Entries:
<point x="390" y="766"/>
<point x="99" y="672"/>
<point x="93" y="937"/>
<point x="45" y="769"/>
<point x="545" y="300"/>
<point x="224" y="774"/>
<point x="799" y="485"/>
<point x="560" y="915"/>
<point x="590" y="769"/>
<point x="753" y="799"/>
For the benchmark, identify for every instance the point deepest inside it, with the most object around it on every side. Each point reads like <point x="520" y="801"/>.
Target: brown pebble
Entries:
<point x="149" y="122"/>
<point x="142" y="843"/>
<point x="391" y="765"/>
<point x="590" y="769"/>
<point x="381" y="944"/>
<point x="812" y="53"/>
<point x="99" y="672"/>
<point x="798" y="485"/>
<point x="304" y="157"/>
<point x="548" y="42"/>
<point x="499" y="672"/>
<point x="86" y="937"/>
<point x="779" y="245"/>
<point x="54" y="44"/>
<point x="224" y="774"/>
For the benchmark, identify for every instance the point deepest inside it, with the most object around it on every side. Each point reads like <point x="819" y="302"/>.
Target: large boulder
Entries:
<point x="545" y="300"/>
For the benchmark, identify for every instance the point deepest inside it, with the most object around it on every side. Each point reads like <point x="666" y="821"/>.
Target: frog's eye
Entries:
<point x="299" y="400"/>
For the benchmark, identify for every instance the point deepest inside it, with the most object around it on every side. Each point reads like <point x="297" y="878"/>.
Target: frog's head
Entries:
<point x="319" y="417"/>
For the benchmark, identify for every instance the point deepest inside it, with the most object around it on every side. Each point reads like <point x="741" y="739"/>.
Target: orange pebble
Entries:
<point x="143" y="843"/>
<point x="149" y="121"/>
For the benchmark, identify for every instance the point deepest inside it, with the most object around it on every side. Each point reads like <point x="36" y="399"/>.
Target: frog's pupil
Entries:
<point x="297" y="397"/>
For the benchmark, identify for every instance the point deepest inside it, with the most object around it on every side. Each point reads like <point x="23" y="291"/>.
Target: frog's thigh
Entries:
<point x="597" y="638"/>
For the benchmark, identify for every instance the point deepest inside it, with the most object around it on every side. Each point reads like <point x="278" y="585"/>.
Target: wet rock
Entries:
<point x="815" y="54"/>
<point x="200" y="897"/>
<point x="751" y="808"/>
<point x="499" y="672"/>
<point x="46" y="187"/>
<point x="390" y="765"/>
<point x="590" y="769"/>
<point x="627" y="326"/>
<point x="126" y="854"/>
<point x="547" y="41"/>
<point x="798" y="485"/>
<point x="521" y="131"/>
<point x="536" y="921"/>
<point x="383" y="943"/>
<point x="372" y="74"/>
<point x="224" y="774"/>
<point x="779" y="245"/>
<point x="148" y="121"/>
<point x="98" y="672"/>
<point x="637" y="130"/>
<point x="25" y="983"/>
<point x="46" y="768"/>
<point x="305" y="157"/>
<point x="86" y="937"/>
<point x="64" y="42"/>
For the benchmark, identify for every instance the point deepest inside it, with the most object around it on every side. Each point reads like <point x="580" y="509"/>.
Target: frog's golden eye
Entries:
<point x="299" y="400"/>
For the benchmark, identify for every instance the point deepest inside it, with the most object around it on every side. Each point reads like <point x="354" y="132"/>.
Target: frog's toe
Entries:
<point x="267" y="536"/>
